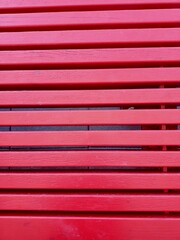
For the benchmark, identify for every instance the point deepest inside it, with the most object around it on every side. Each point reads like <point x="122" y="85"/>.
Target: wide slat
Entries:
<point x="90" y="158"/>
<point x="69" y="227"/>
<point x="90" y="19"/>
<point x="91" y="180"/>
<point x="92" y="138"/>
<point x="47" y="5"/>
<point x="89" y="77"/>
<point x="89" y="97"/>
<point x="85" y="117"/>
<point x="92" y="38"/>
<point x="90" y="202"/>
<point x="75" y="58"/>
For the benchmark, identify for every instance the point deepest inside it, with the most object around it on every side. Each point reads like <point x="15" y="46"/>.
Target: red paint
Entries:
<point x="90" y="20"/>
<point x="91" y="138"/>
<point x="90" y="58"/>
<point x="89" y="97"/>
<point x="89" y="180"/>
<point x="92" y="38"/>
<point x="85" y="117"/>
<point x="89" y="78"/>
<point x="102" y="53"/>
<point x="64" y="5"/>
<point x="90" y="158"/>
<point x="88" y="227"/>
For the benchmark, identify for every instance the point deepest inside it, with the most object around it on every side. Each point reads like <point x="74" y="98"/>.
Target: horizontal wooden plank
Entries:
<point x="90" y="202"/>
<point x="90" y="19"/>
<point x="95" y="78"/>
<point x="91" y="38"/>
<point x="64" y="5"/>
<point x="90" y="158"/>
<point x="90" y="58"/>
<point x="91" y="138"/>
<point x="91" y="180"/>
<point x="68" y="227"/>
<point x="86" y="117"/>
<point x="89" y="97"/>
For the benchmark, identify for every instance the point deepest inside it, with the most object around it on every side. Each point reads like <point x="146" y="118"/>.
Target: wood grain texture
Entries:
<point x="91" y="38"/>
<point x="90" y="202"/>
<point x="85" y="78"/>
<point x="90" y="19"/>
<point x="89" y="97"/>
<point x="91" y="138"/>
<point x="86" y="117"/>
<point x="89" y="180"/>
<point x="64" y="5"/>
<point x="90" y="158"/>
<point x="70" y="227"/>
<point x="90" y="58"/>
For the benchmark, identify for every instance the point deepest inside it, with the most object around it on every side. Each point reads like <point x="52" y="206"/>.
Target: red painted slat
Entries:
<point x="92" y="138"/>
<point x="85" y="117"/>
<point x="90" y="19"/>
<point x="89" y="77"/>
<point x="69" y="227"/>
<point x="90" y="158"/>
<point x="47" y="5"/>
<point x="91" y="180"/>
<point x="89" y="97"/>
<point x="90" y="202"/>
<point x="75" y="58"/>
<point x="92" y="38"/>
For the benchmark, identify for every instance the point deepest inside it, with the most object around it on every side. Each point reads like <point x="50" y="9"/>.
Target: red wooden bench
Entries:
<point x="89" y="139"/>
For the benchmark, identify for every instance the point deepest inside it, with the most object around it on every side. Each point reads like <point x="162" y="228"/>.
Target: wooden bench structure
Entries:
<point x="89" y="139"/>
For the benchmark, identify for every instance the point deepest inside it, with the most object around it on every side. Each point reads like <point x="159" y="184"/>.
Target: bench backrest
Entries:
<point x="89" y="140"/>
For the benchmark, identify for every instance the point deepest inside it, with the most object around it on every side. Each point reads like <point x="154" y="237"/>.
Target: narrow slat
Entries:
<point x="90" y="158"/>
<point x="89" y="77"/>
<point x="90" y="19"/>
<point x="92" y="138"/>
<point x="92" y="38"/>
<point x="85" y="117"/>
<point x="91" y="180"/>
<point x="89" y="97"/>
<point x="90" y="202"/>
<point x="69" y="227"/>
<point x="75" y="58"/>
<point x="64" y="5"/>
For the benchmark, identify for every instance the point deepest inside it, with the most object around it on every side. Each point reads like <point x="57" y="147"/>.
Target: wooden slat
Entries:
<point x="92" y="38"/>
<point x="89" y="97"/>
<point x="75" y="58"/>
<point x="89" y="78"/>
<point x="90" y="19"/>
<point x="92" y="138"/>
<point x="90" y="202"/>
<point x="90" y="158"/>
<point x="85" y="117"/>
<point x="64" y="5"/>
<point x="91" y="180"/>
<point x="69" y="227"/>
